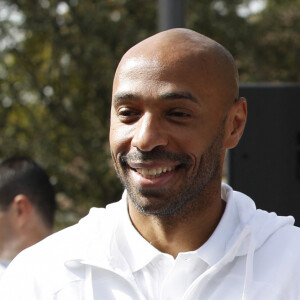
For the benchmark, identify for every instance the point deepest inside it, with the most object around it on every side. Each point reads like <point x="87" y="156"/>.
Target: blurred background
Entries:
<point x="57" y="60"/>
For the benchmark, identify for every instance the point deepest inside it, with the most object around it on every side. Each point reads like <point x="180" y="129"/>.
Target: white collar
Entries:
<point x="215" y="247"/>
<point x="131" y="243"/>
<point x="137" y="251"/>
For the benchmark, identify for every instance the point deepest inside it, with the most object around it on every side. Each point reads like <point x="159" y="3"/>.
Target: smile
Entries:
<point x="154" y="172"/>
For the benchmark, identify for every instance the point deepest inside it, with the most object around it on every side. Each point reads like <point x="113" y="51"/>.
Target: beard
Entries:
<point x="189" y="196"/>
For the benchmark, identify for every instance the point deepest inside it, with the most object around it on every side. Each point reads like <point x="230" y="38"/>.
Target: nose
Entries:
<point x="149" y="133"/>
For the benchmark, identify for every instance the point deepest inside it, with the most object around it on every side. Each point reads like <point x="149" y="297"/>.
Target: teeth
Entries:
<point x="155" y="172"/>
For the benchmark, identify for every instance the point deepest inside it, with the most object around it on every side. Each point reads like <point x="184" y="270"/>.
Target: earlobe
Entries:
<point x="237" y="117"/>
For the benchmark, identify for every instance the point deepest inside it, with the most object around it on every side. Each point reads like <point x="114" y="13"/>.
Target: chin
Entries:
<point x="153" y="203"/>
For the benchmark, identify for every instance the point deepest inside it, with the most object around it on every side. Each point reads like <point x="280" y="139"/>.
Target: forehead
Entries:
<point x="138" y="69"/>
<point x="139" y="62"/>
<point x="152" y="75"/>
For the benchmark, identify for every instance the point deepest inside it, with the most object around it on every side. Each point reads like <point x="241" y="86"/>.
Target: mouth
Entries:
<point x="151" y="173"/>
<point x="154" y="175"/>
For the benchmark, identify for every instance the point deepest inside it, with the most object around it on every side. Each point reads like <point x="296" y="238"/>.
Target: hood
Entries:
<point x="254" y="227"/>
<point x="258" y="224"/>
<point x="96" y="233"/>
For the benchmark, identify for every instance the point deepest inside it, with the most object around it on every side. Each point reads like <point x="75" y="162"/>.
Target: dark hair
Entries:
<point x="22" y="175"/>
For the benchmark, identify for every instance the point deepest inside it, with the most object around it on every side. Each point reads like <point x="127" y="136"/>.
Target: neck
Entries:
<point x="22" y="240"/>
<point x="182" y="232"/>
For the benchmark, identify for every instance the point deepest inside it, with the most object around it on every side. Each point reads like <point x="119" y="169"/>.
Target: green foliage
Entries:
<point x="56" y="68"/>
<point x="266" y="44"/>
<point x="277" y="49"/>
<point x="56" y="89"/>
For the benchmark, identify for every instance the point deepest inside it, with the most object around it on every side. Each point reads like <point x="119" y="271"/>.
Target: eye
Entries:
<point x="179" y="114"/>
<point x="125" y="112"/>
<point x="128" y="115"/>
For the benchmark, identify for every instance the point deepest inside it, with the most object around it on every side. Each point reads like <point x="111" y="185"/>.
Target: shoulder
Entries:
<point x="74" y="240"/>
<point x="277" y="262"/>
<point x="41" y="269"/>
<point x="280" y="253"/>
<point x="286" y="238"/>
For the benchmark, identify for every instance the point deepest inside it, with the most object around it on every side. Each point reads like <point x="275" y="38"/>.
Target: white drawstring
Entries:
<point x="88" y="284"/>
<point x="231" y="254"/>
<point x="247" y="291"/>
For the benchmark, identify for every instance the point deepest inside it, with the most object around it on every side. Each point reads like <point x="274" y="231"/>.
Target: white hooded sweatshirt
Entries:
<point x="260" y="260"/>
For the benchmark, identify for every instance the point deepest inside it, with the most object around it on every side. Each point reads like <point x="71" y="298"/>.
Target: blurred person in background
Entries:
<point x="27" y="207"/>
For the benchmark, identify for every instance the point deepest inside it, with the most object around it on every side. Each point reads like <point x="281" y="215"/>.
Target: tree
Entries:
<point x="265" y="44"/>
<point x="56" y="90"/>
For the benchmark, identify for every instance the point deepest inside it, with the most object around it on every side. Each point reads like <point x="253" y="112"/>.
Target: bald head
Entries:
<point x="175" y="48"/>
<point x="174" y="110"/>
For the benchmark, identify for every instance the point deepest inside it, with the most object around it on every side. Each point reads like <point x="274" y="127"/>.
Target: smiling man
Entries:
<point x="173" y="116"/>
<point x="177" y="232"/>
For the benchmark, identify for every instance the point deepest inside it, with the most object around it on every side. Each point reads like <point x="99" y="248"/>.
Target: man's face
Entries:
<point x="166" y="134"/>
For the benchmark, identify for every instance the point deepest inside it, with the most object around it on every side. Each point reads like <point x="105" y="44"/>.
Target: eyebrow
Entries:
<point x="179" y="95"/>
<point x="123" y="96"/>
<point x="165" y="96"/>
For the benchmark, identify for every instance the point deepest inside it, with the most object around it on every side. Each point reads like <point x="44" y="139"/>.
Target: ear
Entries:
<point x="236" y="121"/>
<point x="22" y="209"/>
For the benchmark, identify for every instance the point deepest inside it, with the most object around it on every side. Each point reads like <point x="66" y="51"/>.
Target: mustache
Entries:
<point x="155" y="154"/>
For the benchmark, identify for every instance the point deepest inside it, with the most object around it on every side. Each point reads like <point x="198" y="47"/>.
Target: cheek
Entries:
<point x="189" y="140"/>
<point x="120" y="137"/>
<point x="195" y="145"/>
